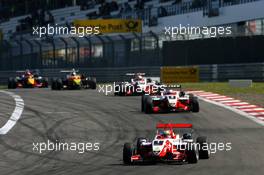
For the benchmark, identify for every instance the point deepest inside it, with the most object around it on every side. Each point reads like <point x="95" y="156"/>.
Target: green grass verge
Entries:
<point x="252" y="95"/>
<point x="224" y="88"/>
<point x="3" y="87"/>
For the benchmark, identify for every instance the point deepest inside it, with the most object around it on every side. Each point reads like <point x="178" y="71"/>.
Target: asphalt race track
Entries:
<point x="89" y="116"/>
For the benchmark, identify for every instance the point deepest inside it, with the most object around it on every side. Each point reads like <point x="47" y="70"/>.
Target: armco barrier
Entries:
<point x="208" y="73"/>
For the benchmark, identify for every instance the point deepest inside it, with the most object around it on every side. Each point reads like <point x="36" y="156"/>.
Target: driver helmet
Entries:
<point x="140" y="77"/>
<point x="165" y="133"/>
<point x="27" y="73"/>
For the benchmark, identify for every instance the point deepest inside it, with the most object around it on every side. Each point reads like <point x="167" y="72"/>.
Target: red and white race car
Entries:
<point x="169" y="101"/>
<point x="167" y="146"/>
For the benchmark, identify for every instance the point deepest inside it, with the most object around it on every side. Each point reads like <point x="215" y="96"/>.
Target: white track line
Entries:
<point x="209" y="95"/>
<point x="259" y="113"/>
<point x="237" y="104"/>
<point x="216" y="97"/>
<point x="230" y="101"/>
<point x="16" y="113"/>
<point x="253" y="109"/>
<point x="222" y="99"/>
<point x="246" y="107"/>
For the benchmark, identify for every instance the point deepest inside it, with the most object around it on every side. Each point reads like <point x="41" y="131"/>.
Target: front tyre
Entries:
<point x="203" y="147"/>
<point x="54" y="84"/>
<point x="92" y="84"/>
<point x="45" y="83"/>
<point x="127" y="153"/>
<point x="192" y="154"/>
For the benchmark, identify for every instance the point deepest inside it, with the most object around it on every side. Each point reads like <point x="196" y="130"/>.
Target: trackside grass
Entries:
<point x="3" y="87"/>
<point x="254" y="94"/>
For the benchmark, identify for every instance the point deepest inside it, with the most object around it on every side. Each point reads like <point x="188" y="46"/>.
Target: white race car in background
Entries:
<point x="138" y="85"/>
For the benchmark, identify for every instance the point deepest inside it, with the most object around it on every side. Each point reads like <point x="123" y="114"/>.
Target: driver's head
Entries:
<point x="167" y="132"/>
<point x="168" y="91"/>
<point x="27" y="72"/>
<point x="138" y="77"/>
<point x="182" y="94"/>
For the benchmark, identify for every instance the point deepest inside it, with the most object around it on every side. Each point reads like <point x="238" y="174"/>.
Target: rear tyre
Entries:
<point x="192" y="154"/>
<point x="148" y="105"/>
<point x="203" y="153"/>
<point x="195" y="105"/>
<point x="54" y="84"/>
<point x="59" y="84"/>
<point x="127" y="153"/>
<point x="166" y="106"/>
<point x="11" y="83"/>
<point x="92" y="84"/>
<point x="143" y="99"/>
<point x="191" y="96"/>
<point x="119" y="90"/>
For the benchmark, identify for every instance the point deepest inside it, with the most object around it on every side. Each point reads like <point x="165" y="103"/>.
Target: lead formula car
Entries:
<point x="167" y="146"/>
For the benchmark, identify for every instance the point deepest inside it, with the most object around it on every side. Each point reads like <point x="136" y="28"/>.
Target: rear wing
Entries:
<point x="174" y="86"/>
<point x="174" y="125"/>
<point x="69" y="71"/>
<point x="132" y="74"/>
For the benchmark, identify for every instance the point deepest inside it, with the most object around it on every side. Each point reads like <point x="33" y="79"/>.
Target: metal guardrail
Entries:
<point x="208" y="73"/>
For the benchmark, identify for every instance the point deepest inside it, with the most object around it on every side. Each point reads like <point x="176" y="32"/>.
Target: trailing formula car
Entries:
<point x="169" y="101"/>
<point x="138" y="85"/>
<point x="73" y="81"/>
<point x="167" y="146"/>
<point x="28" y="79"/>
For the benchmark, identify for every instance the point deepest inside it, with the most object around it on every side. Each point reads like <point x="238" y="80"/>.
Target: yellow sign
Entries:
<point x="112" y="25"/>
<point x="179" y="74"/>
